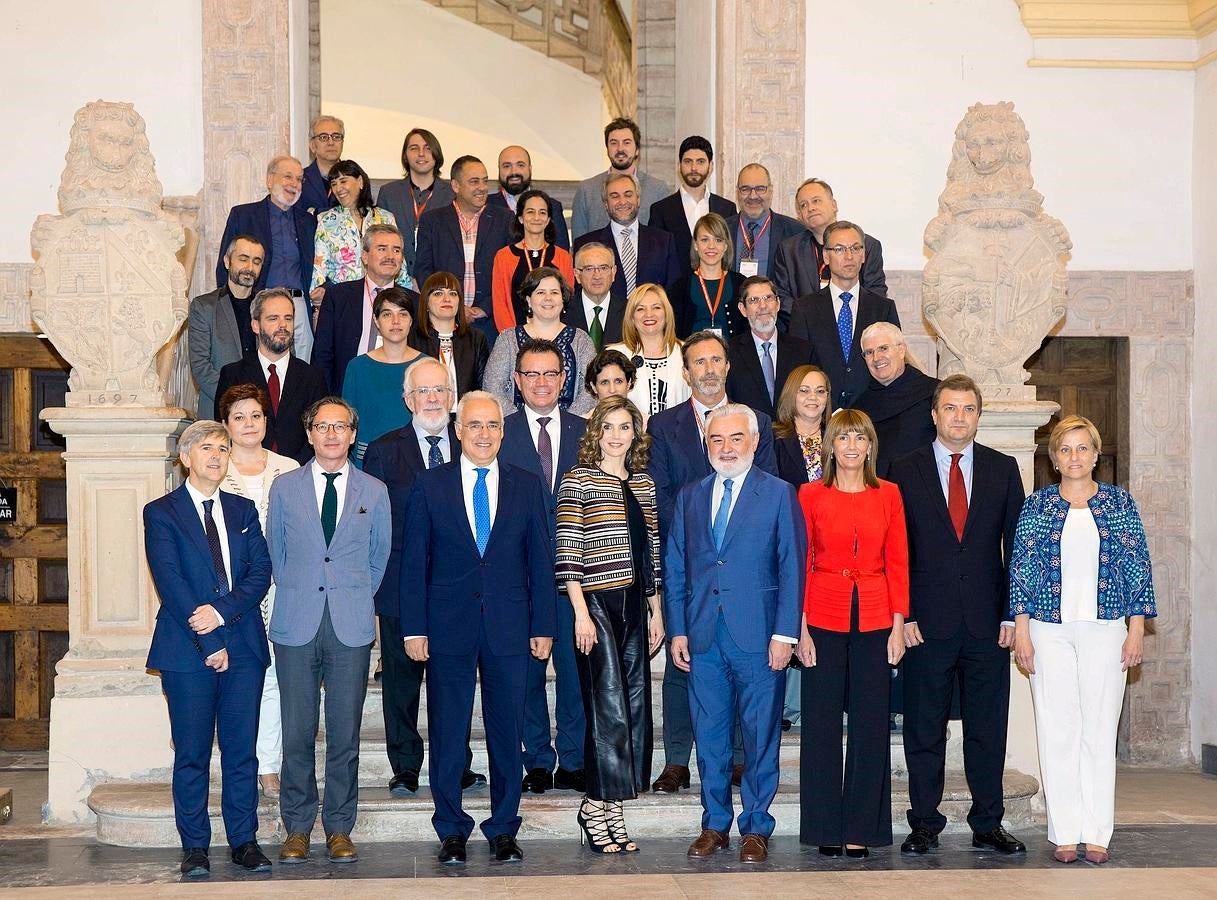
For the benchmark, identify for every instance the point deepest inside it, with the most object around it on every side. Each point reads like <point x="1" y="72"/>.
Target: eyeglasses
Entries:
<point x="492" y="427"/>
<point x="429" y="391"/>
<point x="881" y="350"/>
<point x="596" y="270"/>
<point x="533" y="376"/>
<point x="338" y="428"/>
<point x="752" y="190"/>
<point x="842" y="250"/>
<point x="758" y="299"/>
<point x="331" y="137"/>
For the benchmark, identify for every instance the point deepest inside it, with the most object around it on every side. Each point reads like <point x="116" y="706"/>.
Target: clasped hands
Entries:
<point x="418" y="649"/>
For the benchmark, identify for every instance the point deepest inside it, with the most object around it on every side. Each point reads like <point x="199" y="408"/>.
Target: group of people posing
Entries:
<point x="700" y="462"/>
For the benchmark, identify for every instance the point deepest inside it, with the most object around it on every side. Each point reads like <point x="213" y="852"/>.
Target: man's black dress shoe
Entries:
<point x="833" y="851"/>
<point x="570" y="780"/>
<point x="404" y="784"/>
<point x="452" y="851"/>
<point x="787" y="724"/>
<point x="195" y="863"/>
<point x="1000" y="840"/>
<point x="537" y="781"/>
<point x="503" y="848"/>
<point x="857" y="852"/>
<point x="919" y="841"/>
<point x="250" y="856"/>
<point x="472" y="779"/>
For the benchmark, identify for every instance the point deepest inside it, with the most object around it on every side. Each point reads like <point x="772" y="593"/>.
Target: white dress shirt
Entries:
<point x="837" y="303"/>
<point x="424" y="446"/>
<point x="468" y="479"/>
<point x="340" y="485"/>
<point x="618" y="229"/>
<point x="694" y="209"/>
<point x="942" y="457"/>
<point x="217" y="514"/>
<point x="281" y="366"/>
<point x="772" y="341"/>
<point x="554" y="428"/>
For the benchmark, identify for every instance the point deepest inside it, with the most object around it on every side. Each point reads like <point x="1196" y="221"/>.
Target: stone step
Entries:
<point x="141" y="814"/>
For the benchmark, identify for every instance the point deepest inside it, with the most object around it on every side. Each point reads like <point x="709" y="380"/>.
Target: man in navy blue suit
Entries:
<point x="757" y="231"/>
<point x="733" y="595"/>
<point x="544" y="440"/>
<point x="644" y="253"/>
<point x="211" y="570"/>
<point x="478" y="597"/>
<point x="515" y="177"/>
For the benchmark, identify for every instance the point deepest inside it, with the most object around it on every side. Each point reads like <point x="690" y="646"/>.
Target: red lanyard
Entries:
<point x="750" y="245"/>
<point x="718" y="296"/>
<point x="528" y="254"/>
<point x="419" y="210"/>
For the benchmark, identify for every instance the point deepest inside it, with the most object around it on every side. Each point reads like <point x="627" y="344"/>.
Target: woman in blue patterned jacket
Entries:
<point x="1080" y="591"/>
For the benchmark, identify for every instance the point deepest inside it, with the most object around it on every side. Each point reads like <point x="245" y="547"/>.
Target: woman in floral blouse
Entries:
<point x="1080" y="591"/>
<point x="804" y="407"/>
<point x="336" y="249"/>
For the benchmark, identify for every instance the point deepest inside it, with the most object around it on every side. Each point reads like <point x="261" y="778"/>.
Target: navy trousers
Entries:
<point x="569" y="716"/>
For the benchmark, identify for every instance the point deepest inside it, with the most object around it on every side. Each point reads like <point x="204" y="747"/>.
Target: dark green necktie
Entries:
<point x="597" y="329"/>
<point x="329" y="507"/>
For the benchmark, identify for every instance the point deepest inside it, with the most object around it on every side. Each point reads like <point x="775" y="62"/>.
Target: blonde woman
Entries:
<point x="648" y="339"/>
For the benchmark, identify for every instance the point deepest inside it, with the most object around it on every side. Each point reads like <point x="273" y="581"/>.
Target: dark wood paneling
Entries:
<point x="52" y="645"/>
<point x="6" y="580"/>
<point x="49" y="387"/>
<point x="53" y="501"/>
<point x="8" y="676"/>
<point x="6" y="409"/>
<point x="52" y="581"/>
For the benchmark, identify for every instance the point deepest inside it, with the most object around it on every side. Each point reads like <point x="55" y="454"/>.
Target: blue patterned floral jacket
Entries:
<point x="1126" y="586"/>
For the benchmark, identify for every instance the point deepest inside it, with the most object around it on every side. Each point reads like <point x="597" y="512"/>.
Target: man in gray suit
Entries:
<point x="621" y="140"/>
<point x="219" y="331"/>
<point x="330" y="531"/>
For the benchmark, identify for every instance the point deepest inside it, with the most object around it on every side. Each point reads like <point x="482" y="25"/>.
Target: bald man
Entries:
<point x="515" y="177"/>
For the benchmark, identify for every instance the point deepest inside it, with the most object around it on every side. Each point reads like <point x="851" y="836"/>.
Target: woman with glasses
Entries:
<point x="532" y="246"/>
<point x="444" y="333"/>
<point x="608" y="559"/>
<point x="704" y="298"/>
<point x="244" y="409"/>
<point x="546" y="294"/>
<point x="336" y="248"/>
<point x="374" y="380"/>
<point x="648" y="338"/>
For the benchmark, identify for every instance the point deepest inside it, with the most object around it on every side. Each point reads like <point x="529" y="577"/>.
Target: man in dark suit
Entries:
<point x="291" y="384"/>
<point x="644" y="253"/>
<point x="961" y="503"/>
<point x="326" y="137"/>
<point x="211" y="570"/>
<point x="396" y="458"/>
<point x="833" y="318"/>
<point x="477" y="598"/>
<point x="544" y="440"/>
<point x="800" y="266"/>
<point x="757" y="231"/>
<point x="422" y="188"/>
<point x="515" y="177"/>
<point x="346" y="326"/>
<point x="762" y="358"/>
<point x="595" y="302"/>
<point x="677" y="213"/>
<point x="219" y="330"/>
<point x="899" y="398"/>
<point x="733" y="598"/>
<point x="678" y="457"/>
<point x="446" y="232"/>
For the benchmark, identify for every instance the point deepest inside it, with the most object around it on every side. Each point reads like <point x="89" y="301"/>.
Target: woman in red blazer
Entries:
<point x="854" y="609"/>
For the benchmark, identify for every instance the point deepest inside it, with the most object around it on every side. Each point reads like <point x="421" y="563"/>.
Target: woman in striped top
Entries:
<point x="608" y="559"/>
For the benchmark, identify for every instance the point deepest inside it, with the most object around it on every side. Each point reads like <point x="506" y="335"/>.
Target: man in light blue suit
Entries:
<point x="330" y="531"/>
<point x="734" y="570"/>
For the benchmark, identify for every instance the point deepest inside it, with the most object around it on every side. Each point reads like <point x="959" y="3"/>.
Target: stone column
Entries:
<point x="655" y="65"/>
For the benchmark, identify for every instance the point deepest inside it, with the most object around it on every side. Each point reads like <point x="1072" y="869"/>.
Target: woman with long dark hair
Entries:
<point x="441" y="330"/>
<point x="532" y="246"/>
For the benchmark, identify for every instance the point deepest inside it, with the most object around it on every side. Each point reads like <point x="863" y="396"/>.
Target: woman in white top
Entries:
<point x="251" y="469"/>
<point x="648" y="339"/>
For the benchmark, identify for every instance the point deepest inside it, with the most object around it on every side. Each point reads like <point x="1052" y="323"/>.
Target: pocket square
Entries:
<point x="243" y="530"/>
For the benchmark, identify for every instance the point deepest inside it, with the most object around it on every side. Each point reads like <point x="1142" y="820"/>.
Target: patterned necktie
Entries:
<point x="720" y="517"/>
<point x="373" y="331"/>
<point x="845" y="324"/>
<point x="272" y="387"/>
<point x="329" y="507"/>
<point x="596" y="332"/>
<point x="767" y="369"/>
<point x="629" y="260"/>
<point x="434" y="456"/>
<point x="213" y="541"/>
<point x="957" y="496"/>
<point x="481" y="511"/>
<point x="545" y="450"/>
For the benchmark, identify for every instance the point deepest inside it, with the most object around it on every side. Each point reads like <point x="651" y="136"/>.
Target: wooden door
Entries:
<point x="34" y="543"/>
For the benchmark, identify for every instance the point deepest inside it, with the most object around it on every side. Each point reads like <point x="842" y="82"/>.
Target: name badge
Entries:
<point x="717" y="331"/>
<point x="749" y="267"/>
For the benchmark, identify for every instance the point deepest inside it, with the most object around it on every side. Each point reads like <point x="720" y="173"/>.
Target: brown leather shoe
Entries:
<point x="341" y="849"/>
<point x="295" y="848"/>
<point x="671" y="780"/>
<point x="708" y="843"/>
<point x="753" y="848"/>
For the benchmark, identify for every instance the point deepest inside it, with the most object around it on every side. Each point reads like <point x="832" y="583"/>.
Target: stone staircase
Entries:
<point x="140" y="814"/>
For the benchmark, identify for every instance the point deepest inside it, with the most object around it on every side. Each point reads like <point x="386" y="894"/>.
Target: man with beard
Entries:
<point x="291" y="384"/>
<point x="899" y="397"/>
<point x="733" y="596"/>
<point x="219" y="328"/>
<point x="677" y="214"/>
<point x="678" y="457"/>
<point x="422" y="188"/>
<point x="757" y="231"/>
<point x="622" y="139"/>
<point x="644" y="254"/>
<point x="286" y="232"/>
<point x="515" y="177"/>
<point x="761" y="358"/>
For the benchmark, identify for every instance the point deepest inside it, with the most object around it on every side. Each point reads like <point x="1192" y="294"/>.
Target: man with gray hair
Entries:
<point x="898" y="398"/>
<point x="325" y="141"/>
<point x="733" y="599"/>
<point x="622" y="143"/>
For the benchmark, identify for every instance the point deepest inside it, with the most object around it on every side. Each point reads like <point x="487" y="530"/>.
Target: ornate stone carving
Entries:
<point x="995" y="283"/>
<point x="107" y="287"/>
<point x="15" y="298"/>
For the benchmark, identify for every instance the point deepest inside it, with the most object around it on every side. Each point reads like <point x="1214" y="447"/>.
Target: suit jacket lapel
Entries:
<point x="826" y="328"/>
<point x="743" y="506"/>
<point x="506" y="504"/>
<point x="928" y="466"/>
<point x="453" y="224"/>
<point x="190" y="524"/>
<point x="226" y="322"/>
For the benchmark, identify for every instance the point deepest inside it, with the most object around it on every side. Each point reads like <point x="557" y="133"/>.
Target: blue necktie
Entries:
<point x="845" y="324"/>
<point x="767" y="369"/>
<point x="434" y="456"/>
<point x="213" y="543"/>
<point x="481" y="511"/>
<point x="720" y="517"/>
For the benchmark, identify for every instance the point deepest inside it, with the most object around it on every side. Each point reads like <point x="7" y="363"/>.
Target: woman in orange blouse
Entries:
<point x="532" y="246"/>
<point x="854" y="610"/>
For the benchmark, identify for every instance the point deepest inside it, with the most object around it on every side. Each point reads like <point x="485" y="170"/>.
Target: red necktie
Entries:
<point x="957" y="496"/>
<point x="272" y="386"/>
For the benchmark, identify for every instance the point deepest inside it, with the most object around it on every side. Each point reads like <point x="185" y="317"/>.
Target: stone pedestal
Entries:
<point x="108" y="717"/>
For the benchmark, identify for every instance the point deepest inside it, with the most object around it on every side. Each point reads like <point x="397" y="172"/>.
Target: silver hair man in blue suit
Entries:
<point x="330" y="531"/>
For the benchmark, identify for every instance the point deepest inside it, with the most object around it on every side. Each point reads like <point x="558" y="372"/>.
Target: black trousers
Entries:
<point x="982" y="671"/>
<point x="615" y="679"/>
<point x="858" y="808"/>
